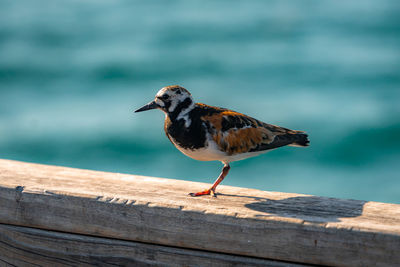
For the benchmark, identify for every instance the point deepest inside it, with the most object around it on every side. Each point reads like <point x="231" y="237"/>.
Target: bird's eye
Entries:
<point x="164" y="97"/>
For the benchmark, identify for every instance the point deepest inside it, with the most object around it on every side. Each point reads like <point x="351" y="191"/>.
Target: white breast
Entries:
<point x="209" y="153"/>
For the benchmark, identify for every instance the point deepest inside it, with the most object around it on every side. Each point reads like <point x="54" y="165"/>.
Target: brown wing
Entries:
<point x="237" y="133"/>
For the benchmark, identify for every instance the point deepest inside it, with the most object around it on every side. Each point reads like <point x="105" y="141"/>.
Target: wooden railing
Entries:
<point x="56" y="216"/>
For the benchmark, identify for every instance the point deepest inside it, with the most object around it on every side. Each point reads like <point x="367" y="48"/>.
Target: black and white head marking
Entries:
<point x="176" y="102"/>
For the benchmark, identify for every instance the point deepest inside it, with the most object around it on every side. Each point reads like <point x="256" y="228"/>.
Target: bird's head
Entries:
<point x="170" y="99"/>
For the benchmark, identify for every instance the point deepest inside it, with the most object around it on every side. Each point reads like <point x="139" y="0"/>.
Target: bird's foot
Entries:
<point x="204" y="193"/>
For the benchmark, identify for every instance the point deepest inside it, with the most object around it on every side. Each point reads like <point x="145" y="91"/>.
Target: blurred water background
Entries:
<point x="72" y="72"/>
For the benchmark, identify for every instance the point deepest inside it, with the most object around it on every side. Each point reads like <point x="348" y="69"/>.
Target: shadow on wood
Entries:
<point x="307" y="208"/>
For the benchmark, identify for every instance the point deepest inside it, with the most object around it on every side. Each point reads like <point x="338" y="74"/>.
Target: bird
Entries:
<point x="209" y="133"/>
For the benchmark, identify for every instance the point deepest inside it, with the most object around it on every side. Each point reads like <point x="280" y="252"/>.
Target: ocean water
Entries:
<point x="72" y="72"/>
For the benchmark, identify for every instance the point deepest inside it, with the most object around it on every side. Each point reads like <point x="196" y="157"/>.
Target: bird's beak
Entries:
<point x="151" y="105"/>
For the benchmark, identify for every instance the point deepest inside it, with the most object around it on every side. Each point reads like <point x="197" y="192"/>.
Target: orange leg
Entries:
<point x="221" y="177"/>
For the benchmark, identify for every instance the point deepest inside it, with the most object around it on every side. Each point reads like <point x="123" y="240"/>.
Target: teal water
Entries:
<point x="72" y="72"/>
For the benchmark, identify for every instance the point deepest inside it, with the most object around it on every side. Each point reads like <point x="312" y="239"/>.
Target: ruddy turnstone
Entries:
<point x="208" y="133"/>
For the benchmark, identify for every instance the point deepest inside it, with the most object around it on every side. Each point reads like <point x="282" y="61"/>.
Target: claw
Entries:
<point x="211" y="191"/>
<point x="203" y="193"/>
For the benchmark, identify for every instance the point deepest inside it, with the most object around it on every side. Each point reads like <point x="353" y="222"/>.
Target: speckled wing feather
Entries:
<point x="237" y="133"/>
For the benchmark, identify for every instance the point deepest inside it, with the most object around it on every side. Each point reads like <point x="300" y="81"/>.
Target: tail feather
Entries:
<point x="301" y="140"/>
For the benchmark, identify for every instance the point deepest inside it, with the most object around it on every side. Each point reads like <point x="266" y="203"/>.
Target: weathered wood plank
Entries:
<point x="23" y="246"/>
<point x="272" y="225"/>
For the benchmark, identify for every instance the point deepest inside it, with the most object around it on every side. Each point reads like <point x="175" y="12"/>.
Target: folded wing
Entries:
<point x="237" y="133"/>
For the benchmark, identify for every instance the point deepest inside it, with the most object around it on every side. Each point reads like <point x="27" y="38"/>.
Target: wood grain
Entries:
<point x="23" y="246"/>
<point x="271" y="225"/>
